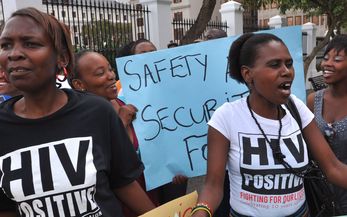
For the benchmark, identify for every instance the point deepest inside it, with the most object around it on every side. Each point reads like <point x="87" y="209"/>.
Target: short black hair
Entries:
<point x="172" y="44"/>
<point x="338" y="43"/>
<point x="137" y="42"/>
<point x="215" y="33"/>
<point x="125" y="50"/>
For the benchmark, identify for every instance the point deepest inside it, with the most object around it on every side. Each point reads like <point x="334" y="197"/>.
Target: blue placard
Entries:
<point x="176" y="91"/>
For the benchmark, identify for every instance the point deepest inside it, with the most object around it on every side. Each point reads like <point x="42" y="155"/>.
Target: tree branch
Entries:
<point x="308" y="59"/>
<point x="202" y="20"/>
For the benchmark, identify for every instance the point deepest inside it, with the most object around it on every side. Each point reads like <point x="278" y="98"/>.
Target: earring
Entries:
<point x="65" y="75"/>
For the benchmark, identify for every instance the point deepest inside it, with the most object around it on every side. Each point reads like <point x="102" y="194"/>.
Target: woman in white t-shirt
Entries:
<point x="259" y="140"/>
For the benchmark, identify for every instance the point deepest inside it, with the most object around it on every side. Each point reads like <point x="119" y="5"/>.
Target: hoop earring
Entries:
<point x="65" y="75"/>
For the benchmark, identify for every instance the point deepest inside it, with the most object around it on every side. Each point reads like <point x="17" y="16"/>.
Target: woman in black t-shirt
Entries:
<point x="60" y="155"/>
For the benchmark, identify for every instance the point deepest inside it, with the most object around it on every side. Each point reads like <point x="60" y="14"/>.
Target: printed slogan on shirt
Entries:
<point x="68" y="162"/>
<point x="265" y="183"/>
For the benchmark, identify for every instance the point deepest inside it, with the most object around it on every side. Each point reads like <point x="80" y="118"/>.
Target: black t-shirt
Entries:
<point x="67" y="163"/>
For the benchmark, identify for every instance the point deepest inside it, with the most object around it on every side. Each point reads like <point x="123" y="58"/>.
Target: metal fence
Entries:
<point x="254" y="28"/>
<point x="181" y="26"/>
<point x="102" y="26"/>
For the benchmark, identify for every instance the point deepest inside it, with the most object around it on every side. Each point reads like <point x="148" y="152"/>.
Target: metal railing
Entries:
<point x="102" y="26"/>
<point x="180" y="27"/>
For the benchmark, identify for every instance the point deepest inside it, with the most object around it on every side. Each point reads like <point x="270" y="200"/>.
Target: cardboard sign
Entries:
<point x="180" y="207"/>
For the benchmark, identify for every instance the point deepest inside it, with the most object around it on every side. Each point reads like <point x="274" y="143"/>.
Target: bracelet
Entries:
<point x="202" y="206"/>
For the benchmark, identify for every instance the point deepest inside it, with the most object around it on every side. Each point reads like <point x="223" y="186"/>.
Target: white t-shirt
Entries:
<point x="258" y="185"/>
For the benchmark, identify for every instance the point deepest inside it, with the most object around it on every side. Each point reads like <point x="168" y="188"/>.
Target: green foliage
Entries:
<point x="335" y="10"/>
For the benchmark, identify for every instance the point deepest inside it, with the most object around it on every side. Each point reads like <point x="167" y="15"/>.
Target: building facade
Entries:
<point x="291" y="18"/>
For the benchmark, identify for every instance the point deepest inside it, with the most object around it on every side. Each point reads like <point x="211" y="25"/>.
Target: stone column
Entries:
<point x="160" y="26"/>
<point x="311" y="33"/>
<point x="232" y="13"/>
<point x="275" y="22"/>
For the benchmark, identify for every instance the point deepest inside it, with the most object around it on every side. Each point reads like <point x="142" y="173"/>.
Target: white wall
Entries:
<point x="191" y="9"/>
<point x="10" y="6"/>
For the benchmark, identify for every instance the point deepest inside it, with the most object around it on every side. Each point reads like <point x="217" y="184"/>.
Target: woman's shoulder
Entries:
<point x="315" y="98"/>
<point x="236" y="104"/>
<point x="310" y="101"/>
<point x="306" y="114"/>
<point x="233" y="107"/>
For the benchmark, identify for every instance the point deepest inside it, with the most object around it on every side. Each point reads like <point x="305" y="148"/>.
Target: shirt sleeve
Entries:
<point x="219" y="122"/>
<point x="126" y="166"/>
